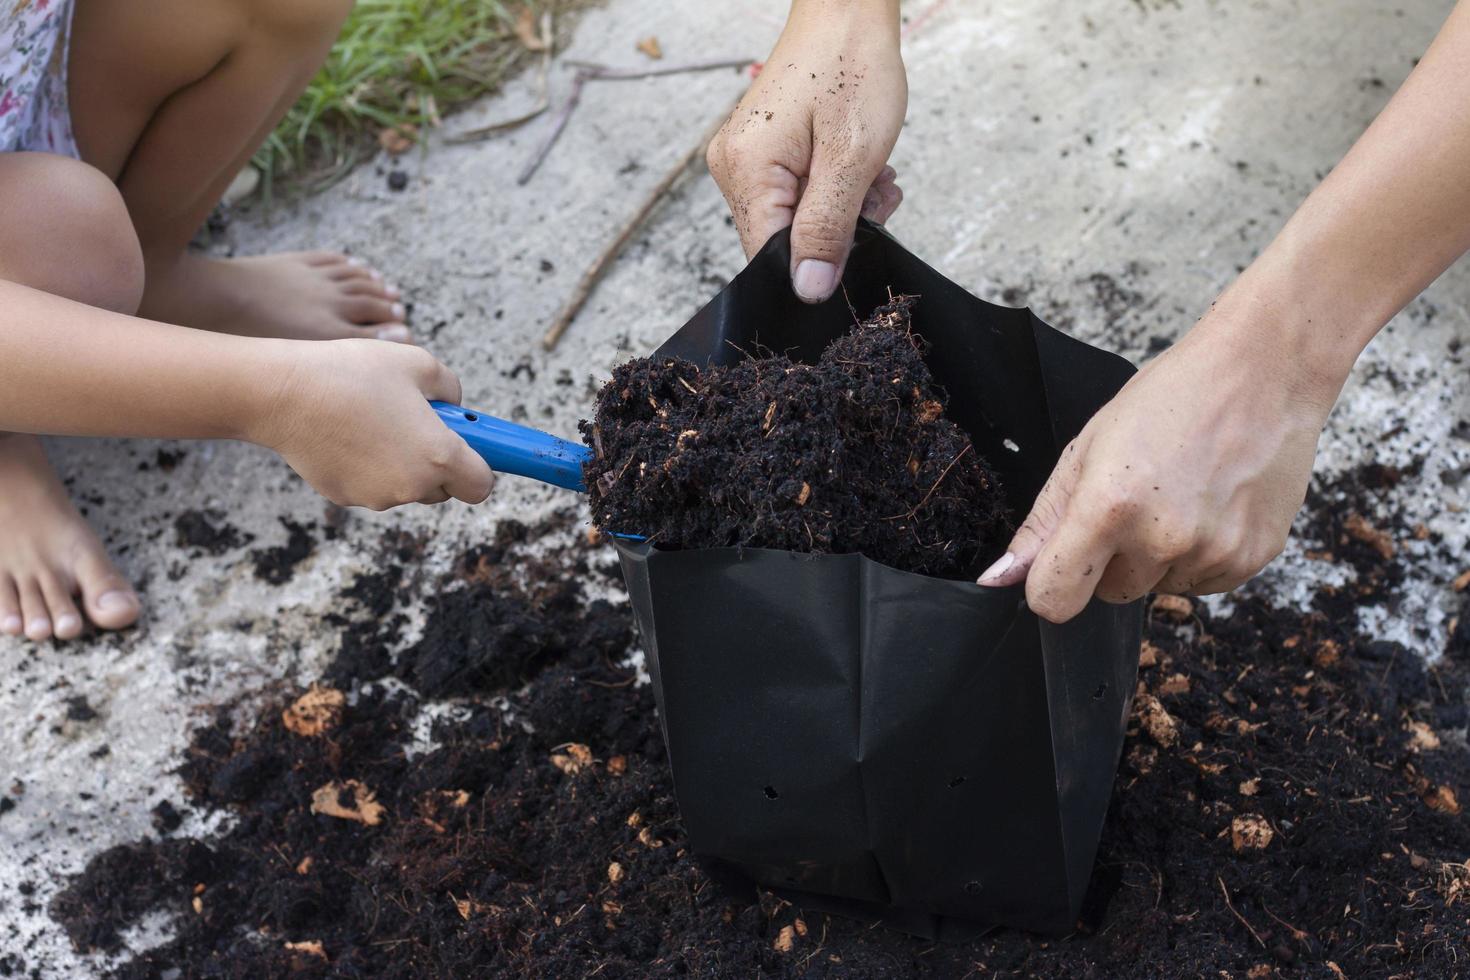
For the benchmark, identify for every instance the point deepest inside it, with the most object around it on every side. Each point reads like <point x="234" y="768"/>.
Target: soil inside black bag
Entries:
<point x="850" y="454"/>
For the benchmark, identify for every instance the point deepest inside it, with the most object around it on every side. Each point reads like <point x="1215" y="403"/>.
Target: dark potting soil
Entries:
<point x="1287" y="799"/>
<point x="851" y="454"/>
<point x="277" y="564"/>
<point x="208" y="531"/>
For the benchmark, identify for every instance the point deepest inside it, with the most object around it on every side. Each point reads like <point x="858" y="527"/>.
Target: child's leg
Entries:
<point x="63" y="229"/>
<point x="170" y="98"/>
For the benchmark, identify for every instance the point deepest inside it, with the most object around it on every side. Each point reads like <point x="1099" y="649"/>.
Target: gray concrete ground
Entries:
<point x="1112" y="163"/>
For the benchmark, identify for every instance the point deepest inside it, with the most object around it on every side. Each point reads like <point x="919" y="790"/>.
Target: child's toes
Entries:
<point x="111" y="603"/>
<point x="11" y="623"/>
<point x="66" y="618"/>
<point x="353" y="272"/>
<point x="33" y="611"/>
<point x="370" y="310"/>
<point x="369" y="287"/>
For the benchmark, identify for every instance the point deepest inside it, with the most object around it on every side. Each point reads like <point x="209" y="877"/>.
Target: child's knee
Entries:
<point x="84" y="247"/>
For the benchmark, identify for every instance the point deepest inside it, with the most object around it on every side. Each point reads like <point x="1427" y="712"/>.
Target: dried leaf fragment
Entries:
<point x="785" y="939"/>
<point x="576" y="758"/>
<point x="615" y="872"/>
<point x="527" y="32"/>
<point x="1462" y="581"/>
<point x="311" y="947"/>
<point x="317" y="711"/>
<point x="930" y="410"/>
<point x="650" y="46"/>
<point x="1175" y="684"/>
<point x="399" y="139"/>
<point x="1422" y="738"/>
<point x="1156" y="722"/>
<point x="1442" y="799"/>
<point x="305" y="866"/>
<point x="466" y="907"/>
<point x="804" y="495"/>
<point x="1143" y="758"/>
<point x="1250" y="832"/>
<point x="1250" y="787"/>
<point x="1357" y="527"/>
<point x="1327" y="654"/>
<point x="617" y="765"/>
<point x="1149" y="655"/>
<point x="364" y="808"/>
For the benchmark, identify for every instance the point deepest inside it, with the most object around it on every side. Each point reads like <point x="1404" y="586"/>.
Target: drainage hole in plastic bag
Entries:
<point x="973" y="888"/>
<point x="1101" y="690"/>
<point x="771" y="793"/>
<point x="953" y="783"/>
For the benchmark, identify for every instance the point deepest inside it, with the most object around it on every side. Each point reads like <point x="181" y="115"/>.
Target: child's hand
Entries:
<point x="353" y="418"/>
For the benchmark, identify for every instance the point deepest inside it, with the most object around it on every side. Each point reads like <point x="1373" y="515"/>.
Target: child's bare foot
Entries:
<point x="49" y="555"/>
<point x="294" y="295"/>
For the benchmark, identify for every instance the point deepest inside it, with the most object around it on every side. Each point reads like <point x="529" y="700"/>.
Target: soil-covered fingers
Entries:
<point x="826" y="217"/>
<point x="758" y="183"/>
<point x="1066" y="572"/>
<point x="1046" y="514"/>
<point x="883" y="198"/>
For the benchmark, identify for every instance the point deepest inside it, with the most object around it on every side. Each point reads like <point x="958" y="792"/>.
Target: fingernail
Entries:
<point x="1002" y="564"/>
<point x="11" y="625"/>
<point x="115" y="601"/>
<point x="398" y="335"/>
<point x="67" y="622"/>
<point x="814" y="280"/>
<point x="354" y="260"/>
<point x="392" y="291"/>
<point x="376" y="274"/>
<point x="398" y="311"/>
<point x="38" y="628"/>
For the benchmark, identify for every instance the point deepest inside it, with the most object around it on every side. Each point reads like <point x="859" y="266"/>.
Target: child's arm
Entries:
<point x="351" y="416"/>
<point x="1189" y="479"/>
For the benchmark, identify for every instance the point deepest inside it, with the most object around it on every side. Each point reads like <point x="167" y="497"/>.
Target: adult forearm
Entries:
<point x="1392" y="216"/>
<point x="71" y="369"/>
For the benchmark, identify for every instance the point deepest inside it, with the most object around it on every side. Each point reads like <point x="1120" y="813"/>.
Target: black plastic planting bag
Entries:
<point x="869" y="741"/>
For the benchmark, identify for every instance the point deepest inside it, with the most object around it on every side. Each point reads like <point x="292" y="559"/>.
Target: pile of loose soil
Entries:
<point x="1289" y="803"/>
<point x="851" y="454"/>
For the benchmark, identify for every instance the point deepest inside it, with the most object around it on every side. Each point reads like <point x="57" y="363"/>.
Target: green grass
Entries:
<point x="397" y="61"/>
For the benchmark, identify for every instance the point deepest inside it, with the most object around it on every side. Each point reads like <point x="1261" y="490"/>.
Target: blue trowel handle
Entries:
<point x="511" y="448"/>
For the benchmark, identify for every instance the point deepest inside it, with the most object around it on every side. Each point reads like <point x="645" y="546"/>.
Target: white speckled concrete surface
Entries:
<point x="1111" y="163"/>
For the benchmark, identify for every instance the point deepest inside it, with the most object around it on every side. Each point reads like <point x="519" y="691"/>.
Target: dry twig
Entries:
<point x="543" y="102"/>
<point x="600" y="264"/>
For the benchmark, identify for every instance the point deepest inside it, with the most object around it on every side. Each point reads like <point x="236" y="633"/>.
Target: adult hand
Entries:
<point x="353" y="418"/>
<point x="1186" y="482"/>
<point x="808" y="144"/>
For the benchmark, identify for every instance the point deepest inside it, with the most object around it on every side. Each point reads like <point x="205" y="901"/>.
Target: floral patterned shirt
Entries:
<point x="33" y="46"/>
